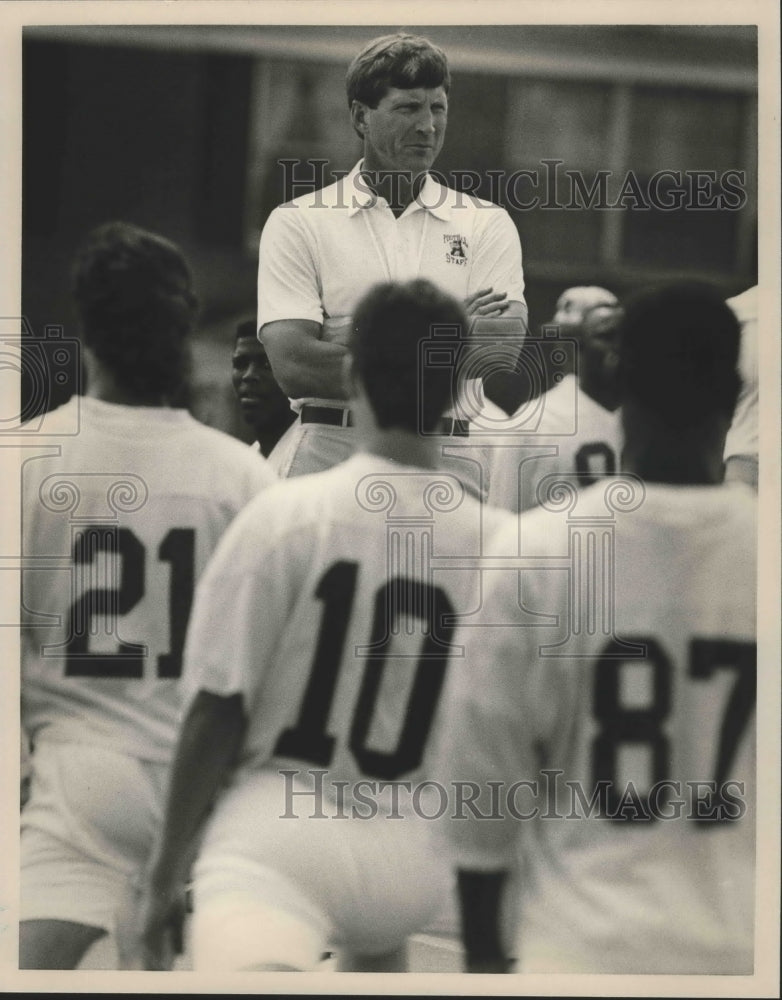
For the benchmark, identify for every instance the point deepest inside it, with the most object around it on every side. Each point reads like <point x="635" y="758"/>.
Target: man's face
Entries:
<point x="599" y="345"/>
<point x="573" y="304"/>
<point x="254" y="384"/>
<point x="405" y="131"/>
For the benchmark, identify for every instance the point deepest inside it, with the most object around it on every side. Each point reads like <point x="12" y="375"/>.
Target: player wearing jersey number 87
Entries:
<point x="640" y="857"/>
<point x="305" y="723"/>
<point x="117" y="528"/>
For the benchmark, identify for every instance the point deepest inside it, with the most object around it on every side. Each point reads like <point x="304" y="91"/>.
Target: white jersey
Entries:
<point x="742" y="437"/>
<point x="575" y="439"/>
<point x="330" y="606"/>
<point x="623" y="720"/>
<point x="117" y="527"/>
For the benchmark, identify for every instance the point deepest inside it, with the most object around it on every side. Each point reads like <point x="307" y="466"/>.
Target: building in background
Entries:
<point x="624" y="154"/>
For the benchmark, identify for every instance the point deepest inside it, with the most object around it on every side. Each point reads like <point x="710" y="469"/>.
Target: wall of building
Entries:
<point x="182" y="130"/>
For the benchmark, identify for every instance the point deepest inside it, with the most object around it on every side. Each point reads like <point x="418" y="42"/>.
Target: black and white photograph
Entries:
<point x="390" y="434"/>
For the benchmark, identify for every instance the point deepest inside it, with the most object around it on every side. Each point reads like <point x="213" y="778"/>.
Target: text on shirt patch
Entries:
<point x="457" y="247"/>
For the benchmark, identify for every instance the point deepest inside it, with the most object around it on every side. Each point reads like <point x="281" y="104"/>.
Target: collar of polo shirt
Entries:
<point x="432" y="197"/>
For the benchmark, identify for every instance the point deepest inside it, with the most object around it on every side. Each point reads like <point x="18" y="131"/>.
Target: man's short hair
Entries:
<point x="136" y="305"/>
<point x="400" y="60"/>
<point x="679" y="355"/>
<point x="247" y="328"/>
<point x="390" y="325"/>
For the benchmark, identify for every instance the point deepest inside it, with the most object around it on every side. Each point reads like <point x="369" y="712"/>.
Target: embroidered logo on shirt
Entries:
<point x="457" y="249"/>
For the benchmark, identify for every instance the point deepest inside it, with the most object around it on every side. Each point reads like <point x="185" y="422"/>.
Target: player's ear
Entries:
<point x="358" y="117"/>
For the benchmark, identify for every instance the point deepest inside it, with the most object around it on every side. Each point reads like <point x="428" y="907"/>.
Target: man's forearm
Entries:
<point x="315" y="369"/>
<point x="207" y="750"/>
<point x="497" y="342"/>
<point x="510" y="327"/>
<point x="303" y="363"/>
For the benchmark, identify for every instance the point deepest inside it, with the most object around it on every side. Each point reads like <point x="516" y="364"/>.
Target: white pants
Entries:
<point x="303" y="883"/>
<point x="307" y="448"/>
<point x="87" y="831"/>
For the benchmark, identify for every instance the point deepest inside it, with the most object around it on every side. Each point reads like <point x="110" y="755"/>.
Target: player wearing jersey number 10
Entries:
<point x="630" y="720"/>
<point x="117" y="527"/>
<point x="320" y="735"/>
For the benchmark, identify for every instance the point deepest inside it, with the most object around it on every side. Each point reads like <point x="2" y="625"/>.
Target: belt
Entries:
<point x="326" y="415"/>
<point x="447" y="427"/>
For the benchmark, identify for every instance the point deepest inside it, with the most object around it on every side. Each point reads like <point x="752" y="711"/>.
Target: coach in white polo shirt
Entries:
<point x="388" y="220"/>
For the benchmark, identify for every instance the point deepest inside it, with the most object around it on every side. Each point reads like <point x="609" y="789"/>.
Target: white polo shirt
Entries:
<point x="321" y="252"/>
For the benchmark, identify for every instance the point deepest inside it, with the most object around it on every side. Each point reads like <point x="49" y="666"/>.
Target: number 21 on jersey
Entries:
<point x="127" y="588"/>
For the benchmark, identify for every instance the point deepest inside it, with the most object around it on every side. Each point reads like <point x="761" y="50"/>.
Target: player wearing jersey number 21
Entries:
<point x="117" y="527"/>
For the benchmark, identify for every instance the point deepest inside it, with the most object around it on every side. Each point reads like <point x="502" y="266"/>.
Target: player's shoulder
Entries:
<point x="289" y="508"/>
<point x="554" y="411"/>
<point x="222" y="450"/>
<point x="745" y="305"/>
<point x="282" y="524"/>
<point x="741" y="503"/>
<point x="76" y="435"/>
<point x="60" y="420"/>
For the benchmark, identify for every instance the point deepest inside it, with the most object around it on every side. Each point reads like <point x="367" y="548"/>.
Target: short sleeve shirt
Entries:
<point x="115" y="533"/>
<point x="742" y="437"/>
<point x="321" y="252"/>
<point x="636" y="688"/>
<point x="566" y="436"/>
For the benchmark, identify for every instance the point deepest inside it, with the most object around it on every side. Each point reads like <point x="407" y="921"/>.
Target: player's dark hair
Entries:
<point x="390" y="325"/>
<point x="136" y="305"/>
<point x="399" y="60"/>
<point x="247" y="328"/>
<point x="679" y="354"/>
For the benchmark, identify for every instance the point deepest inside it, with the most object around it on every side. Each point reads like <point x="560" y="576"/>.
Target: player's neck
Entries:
<point x="102" y="385"/>
<point x="402" y="447"/>
<point x="688" y="456"/>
